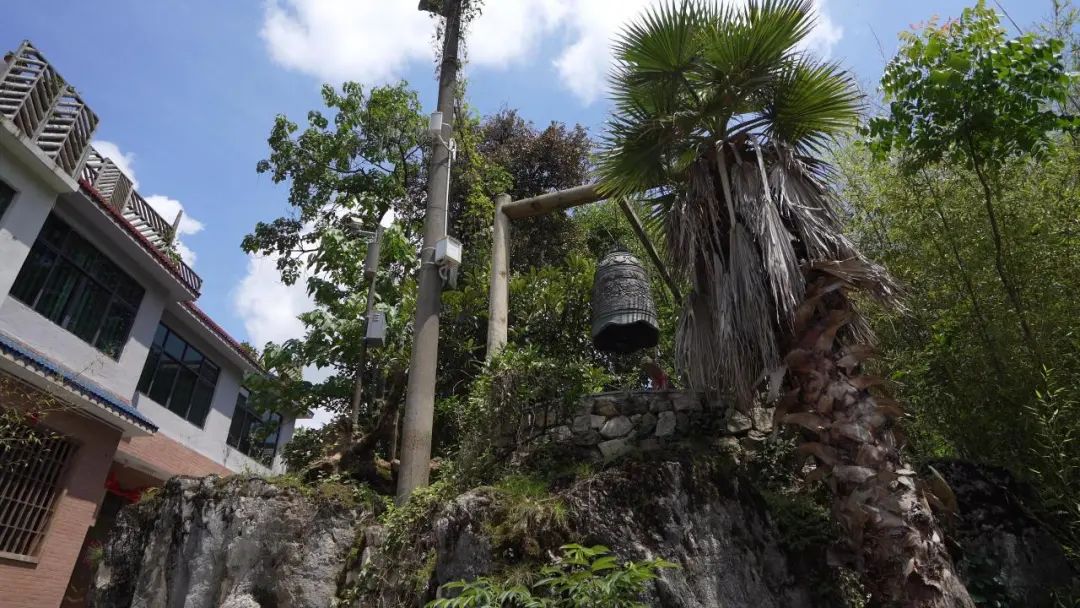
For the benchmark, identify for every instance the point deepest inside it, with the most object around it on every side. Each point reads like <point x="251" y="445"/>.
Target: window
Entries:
<point x="32" y="464"/>
<point x="7" y="193"/>
<point x="178" y="376"/>
<point x="252" y="434"/>
<point x="69" y="281"/>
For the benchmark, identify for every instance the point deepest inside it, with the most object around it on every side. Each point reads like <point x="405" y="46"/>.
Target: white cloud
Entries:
<point x="583" y="65"/>
<point x="507" y="31"/>
<point x="167" y="207"/>
<point x="365" y="40"/>
<point x="126" y="162"/>
<point x="376" y="40"/>
<point x="269" y="309"/>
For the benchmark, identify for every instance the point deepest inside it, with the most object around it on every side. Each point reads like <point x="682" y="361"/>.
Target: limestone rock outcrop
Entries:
<point x="248" y="543"/>
<point x="228" y="543"/>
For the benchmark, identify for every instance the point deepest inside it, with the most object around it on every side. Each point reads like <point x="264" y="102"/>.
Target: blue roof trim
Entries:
<point x="109" y="401"/>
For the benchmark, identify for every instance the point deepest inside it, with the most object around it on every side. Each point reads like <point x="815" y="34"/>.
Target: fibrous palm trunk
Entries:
<point x="881" y="505"/>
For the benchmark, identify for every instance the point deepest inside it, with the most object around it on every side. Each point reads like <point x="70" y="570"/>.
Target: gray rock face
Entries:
<point x="1007" y="553"/>
<point x="715" y="527"/>
<point x="738" y="422"/>
<point x="240" y="543"/>
<point x="244" y="543"/>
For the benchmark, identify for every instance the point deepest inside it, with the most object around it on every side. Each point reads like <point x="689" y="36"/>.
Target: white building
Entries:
<point x="98" y="325"/>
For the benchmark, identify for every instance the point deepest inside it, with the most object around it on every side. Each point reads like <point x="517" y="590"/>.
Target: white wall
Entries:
<point x="19" y="227"/>
<point x="23" y="220"/>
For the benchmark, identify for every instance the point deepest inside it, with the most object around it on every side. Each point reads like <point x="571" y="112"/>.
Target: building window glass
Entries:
<point x="32" y="464"/>
<point x="252" y="434"/>
<point x="179" y="377"/>
<point x="7" y="193"/>
<point x="68" y="280"/>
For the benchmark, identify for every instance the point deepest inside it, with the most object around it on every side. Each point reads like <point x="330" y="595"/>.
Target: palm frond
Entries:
<point x="809" y="103"/>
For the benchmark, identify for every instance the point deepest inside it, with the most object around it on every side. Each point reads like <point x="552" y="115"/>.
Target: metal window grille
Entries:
<point x="32" y="464"/>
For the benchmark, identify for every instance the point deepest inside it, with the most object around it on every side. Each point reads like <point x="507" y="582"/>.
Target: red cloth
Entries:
<point x="113" y="486"/>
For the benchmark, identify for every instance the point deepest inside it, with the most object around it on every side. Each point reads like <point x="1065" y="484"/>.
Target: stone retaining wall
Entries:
<point x="607" y="426"/>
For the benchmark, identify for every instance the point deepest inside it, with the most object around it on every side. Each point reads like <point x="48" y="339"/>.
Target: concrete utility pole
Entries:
<point x="420" y="398"/>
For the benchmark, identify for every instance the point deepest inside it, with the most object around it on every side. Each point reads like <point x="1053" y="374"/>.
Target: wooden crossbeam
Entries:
<point x="507" y="210"/>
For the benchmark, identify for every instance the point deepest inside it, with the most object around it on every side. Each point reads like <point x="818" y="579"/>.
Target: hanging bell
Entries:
<point x="623" y="312"/>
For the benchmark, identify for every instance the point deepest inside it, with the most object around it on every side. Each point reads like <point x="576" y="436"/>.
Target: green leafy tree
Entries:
<point x="344" y="169"/>
<point x="956" y="354"/>
<point x="584" y="577"/>
<point x="721" y="118"/>
<point x="964" y="93"/>
<point x="352" y="160"/>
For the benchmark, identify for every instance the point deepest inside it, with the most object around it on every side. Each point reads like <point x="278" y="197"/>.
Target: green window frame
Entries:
<point x="179" y="377"/>
<point x="71" y="283"/>
<point x="7" y="194"/>
<point x="254" y="435"/>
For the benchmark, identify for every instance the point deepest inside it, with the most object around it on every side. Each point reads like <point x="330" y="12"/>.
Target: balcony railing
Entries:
<point x="54" y="118"/>
<point x="46" y="109"/>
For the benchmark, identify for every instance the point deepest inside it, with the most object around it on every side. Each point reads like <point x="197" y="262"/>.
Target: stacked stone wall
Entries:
<point x="608" y="426"/>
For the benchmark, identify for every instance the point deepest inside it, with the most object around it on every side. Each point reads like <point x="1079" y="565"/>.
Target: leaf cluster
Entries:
<point x="583" y="577"/>
<point x="964" y="93"/>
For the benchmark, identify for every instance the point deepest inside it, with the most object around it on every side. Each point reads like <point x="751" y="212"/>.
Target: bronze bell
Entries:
<point x="623" y="312"/>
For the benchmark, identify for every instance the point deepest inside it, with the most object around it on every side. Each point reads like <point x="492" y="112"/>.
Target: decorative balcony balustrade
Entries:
<point x="48" y="112"/>
<point x="46" y="109"/>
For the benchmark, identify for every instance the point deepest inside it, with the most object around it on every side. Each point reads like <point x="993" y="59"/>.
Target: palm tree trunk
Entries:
<point x="891" y="533"/>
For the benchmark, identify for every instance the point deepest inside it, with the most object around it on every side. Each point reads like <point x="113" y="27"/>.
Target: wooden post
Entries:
<point x="176" y="225"/>
<point x="499" y="293"/>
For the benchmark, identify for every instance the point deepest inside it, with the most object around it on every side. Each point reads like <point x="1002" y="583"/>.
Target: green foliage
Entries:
<point x="978" y="136"/>
<point x="361" y="160"/>
<point x="692" y="74"/>
<point x="21" y="430"/>
<point x="804" y="523"/>
<point x="528" y="517"/>
<point x="958" y="357"/>
<point x="965" y="94"/>
<point x="583" y="577"/>
<point x="496" y="154"/>
<point x="517" y="384"/>
<point x="334" y="492"/>
<point x="305" y="447"/>
<point x="95" y="554"/>
<point x="404" y="523"/>
<point x="1053" y="459"/>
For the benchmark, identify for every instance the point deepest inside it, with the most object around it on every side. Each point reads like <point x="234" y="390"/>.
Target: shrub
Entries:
<point x="512" y="387"/>
<point x="584" y="577"/>
<point x="305" y="447"/>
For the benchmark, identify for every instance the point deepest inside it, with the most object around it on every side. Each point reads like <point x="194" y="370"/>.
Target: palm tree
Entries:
<point x="721" y="120"/>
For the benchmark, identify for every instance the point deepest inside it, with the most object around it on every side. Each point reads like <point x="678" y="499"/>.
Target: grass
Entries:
<point x="529" y="518"/>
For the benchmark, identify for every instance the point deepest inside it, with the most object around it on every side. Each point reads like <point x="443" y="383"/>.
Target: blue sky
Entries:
<point x="187" y="92"/>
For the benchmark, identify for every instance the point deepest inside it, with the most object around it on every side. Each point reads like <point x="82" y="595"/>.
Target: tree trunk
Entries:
<point x="969" y="287"/>
<point x="1011" y="291"/>
<point x="884" y="510"/>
